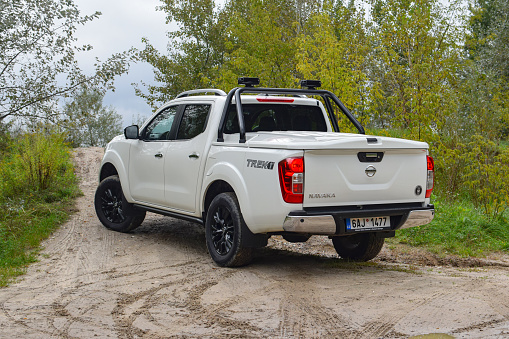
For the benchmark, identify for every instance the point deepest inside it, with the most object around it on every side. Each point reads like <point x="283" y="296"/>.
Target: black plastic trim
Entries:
<point x="363" y="156"/>
<point x="363" y="208"/>
<point x="170" y="214"/>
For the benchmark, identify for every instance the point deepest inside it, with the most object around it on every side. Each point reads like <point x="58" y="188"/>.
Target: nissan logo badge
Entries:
<point x="370" y="171"/>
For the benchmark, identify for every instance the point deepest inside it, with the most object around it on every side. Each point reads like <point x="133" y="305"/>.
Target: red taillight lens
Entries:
<point x="430" y="181"/>
<point x="291" y="179"/>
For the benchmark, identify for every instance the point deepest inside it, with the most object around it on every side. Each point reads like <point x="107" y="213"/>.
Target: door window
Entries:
<point x="160" y="127"/>
<point x="194" y="121"/>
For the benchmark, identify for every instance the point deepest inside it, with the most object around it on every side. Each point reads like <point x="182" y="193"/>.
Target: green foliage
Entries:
<point x="487" y="39"/>
<point x="414" y="65"/>
<point x="194" y="55"/>
<point x="37" y="62"/>
<point x="37" y="186"/>
<point x="487" y="176"/>
<point x="272" y="58"/>
<point x="459" y="228"/>
<point x="337" y="56"/>
<point x="87" y="122"/>
<point x="36" y="163"/>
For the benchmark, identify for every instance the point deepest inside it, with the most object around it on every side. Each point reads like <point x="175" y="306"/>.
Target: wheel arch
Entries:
<point x="249" y="239"/>
<point x="216" y="187"/>
<point x="107" y="169"/>
<point x="229" y="178"/>
<point x="112" y="164"/>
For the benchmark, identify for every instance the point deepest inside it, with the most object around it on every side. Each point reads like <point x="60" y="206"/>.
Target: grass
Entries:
<point x="459" y="229"/>
<point x="37" y="191"/>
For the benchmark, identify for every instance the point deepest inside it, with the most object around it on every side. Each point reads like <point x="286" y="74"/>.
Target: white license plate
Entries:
<point x="366" y="224"/>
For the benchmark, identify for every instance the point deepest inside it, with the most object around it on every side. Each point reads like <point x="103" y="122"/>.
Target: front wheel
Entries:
<point x="113" y="210"/>
<point x="224" y="226"/>
<point x="358" y="247"/>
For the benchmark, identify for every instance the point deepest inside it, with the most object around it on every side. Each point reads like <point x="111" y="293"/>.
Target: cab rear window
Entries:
<point x="276" y="117"/>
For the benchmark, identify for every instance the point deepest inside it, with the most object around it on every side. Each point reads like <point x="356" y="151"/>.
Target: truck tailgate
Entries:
<point x="345" y="177"/>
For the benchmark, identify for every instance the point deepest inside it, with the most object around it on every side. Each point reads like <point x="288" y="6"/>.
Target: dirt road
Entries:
<point x="159" y="282"/>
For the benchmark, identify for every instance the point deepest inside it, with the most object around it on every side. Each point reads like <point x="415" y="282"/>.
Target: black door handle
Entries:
<point x="159" y="155"/>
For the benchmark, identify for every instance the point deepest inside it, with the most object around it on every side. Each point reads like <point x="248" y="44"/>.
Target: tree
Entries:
<point x="215" y="45"/>
<point x="262" y="42"/>
<point x="88" y="122"/>
<point x="487" y="39"/>
<point x="334" y="48"/>
<point x="195" y="51"/>
<point x="414" y="67"/>
<point x="486" y="75"/>
<point x="37" y="64"/>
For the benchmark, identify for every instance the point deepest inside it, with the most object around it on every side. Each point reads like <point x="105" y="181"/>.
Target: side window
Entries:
<point x="194" y="121"/>
<point x="160" y="127"/>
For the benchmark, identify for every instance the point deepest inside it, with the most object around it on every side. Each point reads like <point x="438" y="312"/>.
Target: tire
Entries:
<point x="113" y="210"/>
<point x="358" y="247"/>
<point x="224" y="227"/>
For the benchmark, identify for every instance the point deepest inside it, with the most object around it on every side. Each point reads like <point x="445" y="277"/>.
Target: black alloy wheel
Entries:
<point x="224" y="227"/>
<point x="113" y="210"/>
<point x="111" y="205"/>
<point x="222" y="231"/>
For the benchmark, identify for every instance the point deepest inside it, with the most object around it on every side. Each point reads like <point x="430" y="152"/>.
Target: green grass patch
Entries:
<point x="459" y="229"/>
<point x="37" y="191"/>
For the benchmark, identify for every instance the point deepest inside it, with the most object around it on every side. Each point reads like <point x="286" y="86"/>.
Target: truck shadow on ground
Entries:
<point x="190" y="237"/>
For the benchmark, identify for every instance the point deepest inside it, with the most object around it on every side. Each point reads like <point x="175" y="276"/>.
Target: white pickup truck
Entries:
<point x="258" y="162"/>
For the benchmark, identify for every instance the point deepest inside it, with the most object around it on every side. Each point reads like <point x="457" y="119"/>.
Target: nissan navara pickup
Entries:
<point x="258" y="162"/>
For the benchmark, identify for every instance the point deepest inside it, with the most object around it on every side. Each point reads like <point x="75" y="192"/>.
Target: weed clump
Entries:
<point x="37" y="187"/>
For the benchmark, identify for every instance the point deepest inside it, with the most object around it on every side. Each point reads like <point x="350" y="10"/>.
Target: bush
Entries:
<point x="477" y="170"/>
<point x="487" y="176"/>
<point x="37" y="162"/>
<point x="37" y="188"/>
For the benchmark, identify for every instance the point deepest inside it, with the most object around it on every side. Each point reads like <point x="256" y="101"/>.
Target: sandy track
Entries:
<point x="159" y="282"/>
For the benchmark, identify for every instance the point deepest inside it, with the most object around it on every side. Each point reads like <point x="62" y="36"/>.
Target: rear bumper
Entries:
<point x="332" y="221"/>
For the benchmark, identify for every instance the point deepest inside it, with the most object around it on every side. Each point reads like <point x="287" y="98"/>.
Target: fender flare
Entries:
<point x="112" y="157"/>
<point x="231" y="175"/>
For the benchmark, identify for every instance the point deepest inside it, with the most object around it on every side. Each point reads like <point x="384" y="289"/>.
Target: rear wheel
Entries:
<point x="223" y="232"/>
<point x="358" y="247"/>
<point x="113" y="210"/>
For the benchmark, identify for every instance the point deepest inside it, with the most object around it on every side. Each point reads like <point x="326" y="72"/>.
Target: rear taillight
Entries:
<point x="291" y="179"/>
<point x="430" y="181"/>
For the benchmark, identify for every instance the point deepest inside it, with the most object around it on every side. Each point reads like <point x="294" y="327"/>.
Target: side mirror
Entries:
<point x="132" y="132"/>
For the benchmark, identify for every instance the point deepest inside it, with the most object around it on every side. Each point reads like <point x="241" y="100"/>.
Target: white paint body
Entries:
<point x="333" y="176"/>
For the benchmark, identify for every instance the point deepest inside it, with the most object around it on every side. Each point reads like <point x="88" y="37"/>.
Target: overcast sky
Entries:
<point x="122" y="25"/>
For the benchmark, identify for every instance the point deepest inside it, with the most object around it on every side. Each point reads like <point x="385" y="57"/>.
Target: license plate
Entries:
<point x="368" y="224"/>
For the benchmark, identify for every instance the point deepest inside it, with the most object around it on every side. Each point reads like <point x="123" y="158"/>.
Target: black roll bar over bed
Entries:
<point x="327" y="96"/>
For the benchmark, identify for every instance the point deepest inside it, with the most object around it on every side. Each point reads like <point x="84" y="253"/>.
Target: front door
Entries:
<point x="146" y="160"/>
<point x="184" y="158"/>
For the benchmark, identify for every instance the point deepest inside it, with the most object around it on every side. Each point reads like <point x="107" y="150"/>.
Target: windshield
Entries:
<point x="276" y="117"/>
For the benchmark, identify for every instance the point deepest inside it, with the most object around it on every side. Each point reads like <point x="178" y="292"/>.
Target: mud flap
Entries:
<point x="130" y="209"/>
<point x="249" y="239"/>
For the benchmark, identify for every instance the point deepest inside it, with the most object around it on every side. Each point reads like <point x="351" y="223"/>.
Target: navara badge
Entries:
<point x="370" y="171"/>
